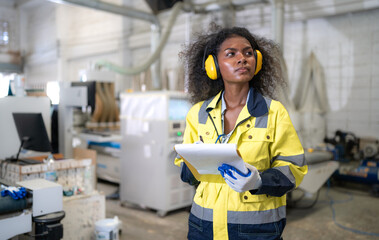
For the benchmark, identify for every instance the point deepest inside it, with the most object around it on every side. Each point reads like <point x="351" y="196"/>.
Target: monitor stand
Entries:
<point x="12" y="159"/>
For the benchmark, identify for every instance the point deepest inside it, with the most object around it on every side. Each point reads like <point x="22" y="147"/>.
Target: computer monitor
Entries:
<point x="32" y="132"/>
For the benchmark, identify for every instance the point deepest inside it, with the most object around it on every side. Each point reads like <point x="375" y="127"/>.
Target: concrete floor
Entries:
<point x="354" y="207"/>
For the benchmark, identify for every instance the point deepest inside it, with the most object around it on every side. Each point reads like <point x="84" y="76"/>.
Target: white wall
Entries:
<point x="347" y="46"/>
<point x="87" y="36"/>
<point x="39" y="43"/>
<point x="60" y="40"/>
<point x="344" y="36"/>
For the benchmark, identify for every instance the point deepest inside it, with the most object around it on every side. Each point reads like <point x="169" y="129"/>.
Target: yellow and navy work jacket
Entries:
<point x="266" y="139"/>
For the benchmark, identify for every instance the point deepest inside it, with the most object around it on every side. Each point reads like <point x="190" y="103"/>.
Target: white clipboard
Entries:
<point x="206" y="158"/>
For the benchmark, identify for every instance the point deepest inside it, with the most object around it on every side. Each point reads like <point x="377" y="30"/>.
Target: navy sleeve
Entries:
<point x="187" y="176"/>
<point x="274" y="183"/>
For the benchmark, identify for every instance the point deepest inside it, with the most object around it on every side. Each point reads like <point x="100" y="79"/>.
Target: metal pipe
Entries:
<point x="112" y="8"/>
<point x="213" y="6"/>
<point x="135" y="70"/>
<point x="133" y="13"/>
<point x="155" y="67"/>
<point x="277" y="20"/>
<point x="155" y="48"/>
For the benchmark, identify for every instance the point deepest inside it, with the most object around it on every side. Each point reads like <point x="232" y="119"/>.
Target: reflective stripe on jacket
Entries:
<point x="266" y="139"/>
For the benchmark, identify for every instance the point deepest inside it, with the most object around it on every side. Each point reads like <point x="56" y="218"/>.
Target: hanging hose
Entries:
<point x="138" y="69"/>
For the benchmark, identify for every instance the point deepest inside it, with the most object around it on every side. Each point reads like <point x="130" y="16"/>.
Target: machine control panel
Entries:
<point x="176" y="129"/>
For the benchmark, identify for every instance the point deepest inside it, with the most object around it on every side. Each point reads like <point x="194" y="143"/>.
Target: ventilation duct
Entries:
<point x="161" y="5"/>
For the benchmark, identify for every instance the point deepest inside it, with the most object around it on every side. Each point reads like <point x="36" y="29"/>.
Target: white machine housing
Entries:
<point x="151" y="124"/>
<point x="70" y="97"/>
<point x="47" y="198"/>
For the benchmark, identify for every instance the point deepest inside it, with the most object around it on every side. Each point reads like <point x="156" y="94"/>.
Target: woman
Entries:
<point x="232" y="78"/>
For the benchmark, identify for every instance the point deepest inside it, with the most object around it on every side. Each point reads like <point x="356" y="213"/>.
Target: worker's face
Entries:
<point x="236" y="60"/>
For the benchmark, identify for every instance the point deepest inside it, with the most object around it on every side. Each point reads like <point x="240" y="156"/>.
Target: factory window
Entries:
<point x="4" y="33"/>
<point x="52" y="91"/>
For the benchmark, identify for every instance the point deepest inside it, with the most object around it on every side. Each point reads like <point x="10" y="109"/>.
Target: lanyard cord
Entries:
<point x="214" y="125"/>
<point x="219" y="136"/>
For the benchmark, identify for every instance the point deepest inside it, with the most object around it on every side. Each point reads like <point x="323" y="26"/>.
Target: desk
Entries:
<point x="71" y="173"/>
<point x="82" y="212"/>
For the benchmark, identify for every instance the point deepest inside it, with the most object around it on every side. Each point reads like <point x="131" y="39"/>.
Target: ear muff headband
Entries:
<point x="213" y="71"/>
<point x="211" y="67"/>
<point x="258" y="61"/>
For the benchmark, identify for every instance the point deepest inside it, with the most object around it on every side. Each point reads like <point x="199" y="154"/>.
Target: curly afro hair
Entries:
<point x="200" y="87"/>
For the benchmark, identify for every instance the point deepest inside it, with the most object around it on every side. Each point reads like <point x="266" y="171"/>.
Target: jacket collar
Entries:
<point x="256" y="103"/>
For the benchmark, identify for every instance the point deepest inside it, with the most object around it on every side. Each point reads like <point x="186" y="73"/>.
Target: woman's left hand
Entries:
<point x="239" y="181"/>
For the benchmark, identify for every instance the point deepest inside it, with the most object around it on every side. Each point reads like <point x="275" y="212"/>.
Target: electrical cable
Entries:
<point x="1" y="169"/>
<point x="4" y="169"/>
<point x="332" y="202"/>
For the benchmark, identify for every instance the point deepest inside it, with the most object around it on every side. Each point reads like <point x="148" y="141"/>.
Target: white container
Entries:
<point x="107" y="229"/>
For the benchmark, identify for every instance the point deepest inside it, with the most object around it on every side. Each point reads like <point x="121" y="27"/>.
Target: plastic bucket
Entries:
<point x="107" y="229"/>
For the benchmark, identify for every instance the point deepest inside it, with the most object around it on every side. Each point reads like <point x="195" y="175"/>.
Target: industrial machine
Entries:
<point x="107" y="160"/>
<point x="358" y="157"/>
<point x="87" y="110"/>
<point x="37" y="216"/>
<point x="151" y="124"/>
<point x="346" y="159"/>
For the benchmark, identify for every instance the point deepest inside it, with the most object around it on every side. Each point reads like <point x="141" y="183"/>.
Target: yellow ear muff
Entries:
<point x="258" y="61"/>
<point x="211" y="67"/>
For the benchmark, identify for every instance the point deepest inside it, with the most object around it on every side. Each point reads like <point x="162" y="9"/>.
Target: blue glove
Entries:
<point x="14" y="192"/>
<point x="239" y="181"/>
